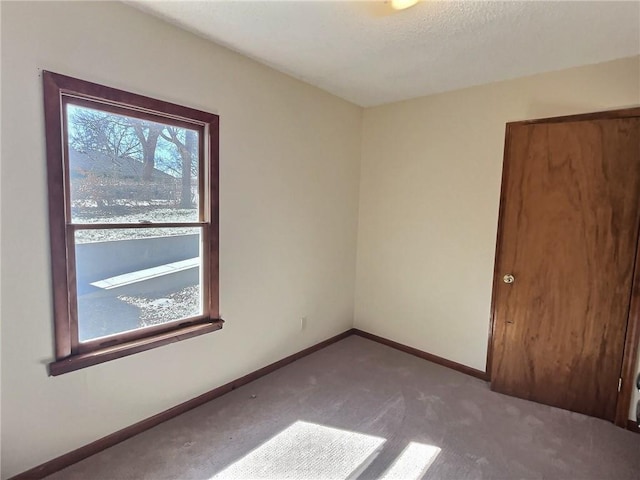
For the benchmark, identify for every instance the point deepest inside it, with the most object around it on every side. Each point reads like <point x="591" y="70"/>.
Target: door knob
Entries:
<point x="508" y="278"/>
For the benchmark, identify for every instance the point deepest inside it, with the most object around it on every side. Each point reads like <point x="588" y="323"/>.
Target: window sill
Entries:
<point x="76" y="362"/>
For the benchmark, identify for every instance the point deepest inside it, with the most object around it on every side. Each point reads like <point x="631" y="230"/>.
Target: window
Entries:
<point x="133" y="207"/>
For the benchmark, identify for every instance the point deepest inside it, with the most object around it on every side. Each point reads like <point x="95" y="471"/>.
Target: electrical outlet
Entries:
<point x="303" y="323"/>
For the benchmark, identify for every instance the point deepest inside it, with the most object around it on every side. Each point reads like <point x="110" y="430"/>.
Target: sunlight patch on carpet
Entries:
<point x="306" y="450"/>
<point x="414" y="460"/>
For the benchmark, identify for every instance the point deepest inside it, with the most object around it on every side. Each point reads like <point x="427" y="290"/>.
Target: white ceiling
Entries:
<point x="369" y="54"/>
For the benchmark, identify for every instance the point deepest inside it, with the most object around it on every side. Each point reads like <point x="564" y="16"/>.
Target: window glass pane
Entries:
<point x="126" y="170"/>
<point x="127" y="279"/>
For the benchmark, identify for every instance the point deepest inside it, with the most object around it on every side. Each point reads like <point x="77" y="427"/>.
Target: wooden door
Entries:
<point x="568" y="233"/>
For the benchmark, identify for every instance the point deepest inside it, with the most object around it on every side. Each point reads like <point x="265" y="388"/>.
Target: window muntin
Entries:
<point x="133" y="213"/>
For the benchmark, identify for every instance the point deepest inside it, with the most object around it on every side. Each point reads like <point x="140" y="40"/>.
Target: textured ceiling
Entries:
<point x="369" y="54"/>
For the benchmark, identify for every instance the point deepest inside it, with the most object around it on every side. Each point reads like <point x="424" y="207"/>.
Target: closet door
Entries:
<point x="565" y="262"/>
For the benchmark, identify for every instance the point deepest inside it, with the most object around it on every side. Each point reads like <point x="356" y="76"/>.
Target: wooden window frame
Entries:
<point x="70" y="354"/>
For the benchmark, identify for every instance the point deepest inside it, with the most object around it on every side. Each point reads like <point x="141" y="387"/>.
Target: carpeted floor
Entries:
<point x="358" y="409"/>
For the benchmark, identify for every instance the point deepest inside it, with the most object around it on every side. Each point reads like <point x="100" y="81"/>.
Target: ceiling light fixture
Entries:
<point x="402" y="4"/>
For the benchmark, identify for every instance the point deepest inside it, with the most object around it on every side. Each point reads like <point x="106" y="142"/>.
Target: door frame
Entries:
<point x="632" y="336"/>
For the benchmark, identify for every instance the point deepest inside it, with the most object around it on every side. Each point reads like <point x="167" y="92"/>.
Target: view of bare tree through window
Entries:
<point x="124" y="170"/>
<point x="128" y="168"/>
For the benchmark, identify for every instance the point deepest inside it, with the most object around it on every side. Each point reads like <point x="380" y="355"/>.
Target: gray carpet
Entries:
<point x="358" y="409"/>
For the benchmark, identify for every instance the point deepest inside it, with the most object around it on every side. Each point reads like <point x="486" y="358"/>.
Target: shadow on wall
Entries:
<point x="549" y="109"/>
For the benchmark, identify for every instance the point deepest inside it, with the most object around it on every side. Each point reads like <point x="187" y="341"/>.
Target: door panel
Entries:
<point x="569" y="224"/>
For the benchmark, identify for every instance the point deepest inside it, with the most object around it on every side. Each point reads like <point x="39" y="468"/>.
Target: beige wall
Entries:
<point x="429" y="195"/>
<point x="289" y="190"/>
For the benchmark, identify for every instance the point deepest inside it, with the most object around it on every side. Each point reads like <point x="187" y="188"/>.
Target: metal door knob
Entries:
<point x="508" y="278"/>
